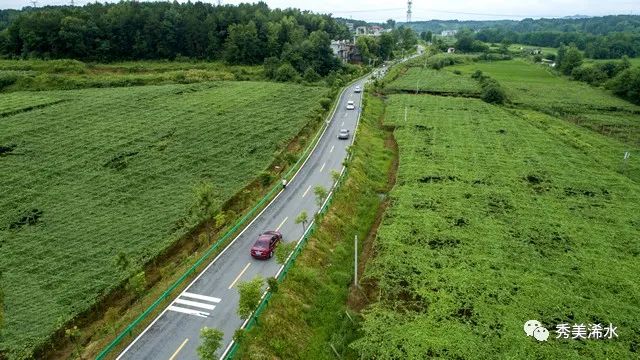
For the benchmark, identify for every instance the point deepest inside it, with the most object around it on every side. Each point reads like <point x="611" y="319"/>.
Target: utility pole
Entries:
<point x="355" y="262"/>
<point x="409" y="11"/>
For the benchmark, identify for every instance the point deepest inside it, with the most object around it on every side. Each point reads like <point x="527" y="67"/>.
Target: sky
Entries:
<point x="380" y="10"/>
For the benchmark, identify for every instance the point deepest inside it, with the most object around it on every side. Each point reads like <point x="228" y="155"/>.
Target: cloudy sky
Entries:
<point x="380" y="10"/>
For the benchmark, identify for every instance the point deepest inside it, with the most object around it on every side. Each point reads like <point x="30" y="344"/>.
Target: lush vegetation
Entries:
<point x="17" y="75"/>
<point x="539" y="88"/>
<point x="97" y="182"/>
<point x="386" y="46"/>
<point x="243" y="34"/>
<point x="419" y="79"/>
<point x="500" y="216"/>
<point x="309" y="314"/>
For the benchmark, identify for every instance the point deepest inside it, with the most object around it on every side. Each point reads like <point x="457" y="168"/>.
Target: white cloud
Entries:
<point x="380" y="10"/>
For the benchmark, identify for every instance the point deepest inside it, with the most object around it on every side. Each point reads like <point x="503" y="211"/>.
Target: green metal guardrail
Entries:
<point x="128" y="331"/>
<point x="287" y="266"/>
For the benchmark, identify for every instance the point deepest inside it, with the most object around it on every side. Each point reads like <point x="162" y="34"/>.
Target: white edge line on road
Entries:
<point x="305" y="193"/>
<point x="179" y="348"/>
<point x="353" y="139"/>
<point x="239" y="275"/>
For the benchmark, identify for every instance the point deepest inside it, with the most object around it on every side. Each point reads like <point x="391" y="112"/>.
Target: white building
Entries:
<point x="448" y="32"/>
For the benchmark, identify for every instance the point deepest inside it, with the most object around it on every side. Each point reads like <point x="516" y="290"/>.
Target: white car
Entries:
<point x="357" y="89"/>
<point x="350" y="105"/>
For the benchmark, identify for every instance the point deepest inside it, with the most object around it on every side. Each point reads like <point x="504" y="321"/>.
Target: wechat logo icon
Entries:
<point x="535" y="329"/>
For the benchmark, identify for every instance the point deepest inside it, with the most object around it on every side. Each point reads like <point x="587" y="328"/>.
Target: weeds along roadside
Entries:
<point x="308" y="316"/>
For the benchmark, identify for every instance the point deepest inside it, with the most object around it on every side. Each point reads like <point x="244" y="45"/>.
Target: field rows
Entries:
<point x="114" y="170"/>
<point x="499" y="218"/>
<point x="435" y="81"/>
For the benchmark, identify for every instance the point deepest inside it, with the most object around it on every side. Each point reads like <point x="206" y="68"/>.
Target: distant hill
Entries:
<point x="577" y="23"/>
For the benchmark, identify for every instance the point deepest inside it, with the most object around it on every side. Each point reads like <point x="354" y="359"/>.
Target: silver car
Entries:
<point x="343" y="134"/>
<point x="350" y="105"/>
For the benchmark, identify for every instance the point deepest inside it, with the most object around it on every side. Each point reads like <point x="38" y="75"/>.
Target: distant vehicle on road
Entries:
<point x="266" y="244"/>
<point x="343" y="134"/>
<point x="357" y="89"/>
<point x="350" y="105"/>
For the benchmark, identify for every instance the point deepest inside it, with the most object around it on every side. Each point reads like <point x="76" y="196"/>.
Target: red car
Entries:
<point x="266" y="244"/>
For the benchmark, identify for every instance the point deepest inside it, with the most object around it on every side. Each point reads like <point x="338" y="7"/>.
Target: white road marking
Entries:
<point x="332" y="148"/>
<point x="201" y="297"/>
<point x="322" y="168"/>
<point x="188" y="311"/>
<point x="305" y="193"/>
<point x="195" y="304"/>
<point x="345" y="114"/>
<point x="282" y="223"/>
<point x="179" y="348"/>
<point x="239" y="275"/>
<point x="342" y="124"/>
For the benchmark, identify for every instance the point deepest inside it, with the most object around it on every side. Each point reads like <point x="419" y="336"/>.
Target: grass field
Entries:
<point x="435" y="81"/>
<point x="500" y="216"/>
<point x="535" y="87"/>
<point x="114" y="170"/>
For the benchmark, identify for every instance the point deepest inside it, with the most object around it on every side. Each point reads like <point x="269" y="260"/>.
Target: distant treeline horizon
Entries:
<point x="605" y="37"/>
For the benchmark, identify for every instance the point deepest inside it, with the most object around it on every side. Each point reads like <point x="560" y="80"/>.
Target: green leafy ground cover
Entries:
<point x="114" y="170"/>
<point x="14" y="102"/>
<point x="435" y="81"/>
<point x="500" y="216"/>
<point x="536" y="87"/>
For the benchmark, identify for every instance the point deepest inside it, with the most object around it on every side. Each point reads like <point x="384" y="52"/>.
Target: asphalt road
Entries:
<point x="212" y="298"/>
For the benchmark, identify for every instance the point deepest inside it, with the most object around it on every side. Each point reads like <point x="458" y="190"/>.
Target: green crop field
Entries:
<point x="536" y="87"/>
<point x="114" y="170"/>
<point x="501" y="216"/>
<point x="436" y="81"/>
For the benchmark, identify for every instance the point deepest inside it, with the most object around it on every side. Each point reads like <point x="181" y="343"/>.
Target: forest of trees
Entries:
<point x="608" y="37"/>
<point x="242" y="34"/>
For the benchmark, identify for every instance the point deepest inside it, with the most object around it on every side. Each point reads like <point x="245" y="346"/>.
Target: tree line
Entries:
<point x="608" y="37"/>
<point x="243" y="34"/>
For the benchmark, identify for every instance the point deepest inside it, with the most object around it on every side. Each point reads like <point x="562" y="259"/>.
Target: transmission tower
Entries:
<point x="35" y="3"/>
<point x="72" y="3"/>
<point x="219" y="2"/>
<point x="409" y="10"/>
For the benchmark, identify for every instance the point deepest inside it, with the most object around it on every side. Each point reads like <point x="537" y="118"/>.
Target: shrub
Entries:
<point x="627" y="85"/>
<point x="493" y="93"/>
<point x="7" y="79"/>
<point x="286" y="72"/>
<point x="589" y="74"/>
